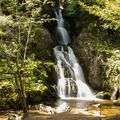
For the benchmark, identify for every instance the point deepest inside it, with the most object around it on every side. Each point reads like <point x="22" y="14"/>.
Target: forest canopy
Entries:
<point x="108" y="11"/>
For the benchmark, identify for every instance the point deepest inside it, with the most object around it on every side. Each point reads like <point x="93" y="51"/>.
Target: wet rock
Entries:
<point x="96" y="105"/>
<point x="94" y="60"/>
<point x="97" y="113"/>
<point x="64" y="107"/>
<point x="116" y="102"/>
<point x="44" y="108"/>
<point x="88" y="56"/>
<point x="14" y="117"/>
<point x="103" y="95"/>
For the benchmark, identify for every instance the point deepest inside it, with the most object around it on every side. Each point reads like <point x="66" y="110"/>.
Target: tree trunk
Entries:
<point x="23" y="98"/>
<point x="20" y="91"/>
<point x="19" y="85"/>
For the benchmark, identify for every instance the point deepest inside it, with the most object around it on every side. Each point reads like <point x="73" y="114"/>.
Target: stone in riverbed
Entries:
<point x="103" y="95"/>
<point x="14" y="117"/>
<point x="64" y="107"/>
<point x="96" y="105"/>
<point x="97" y="113"/>
<point x="45" y="108"/>
<point x="116" y="102"/>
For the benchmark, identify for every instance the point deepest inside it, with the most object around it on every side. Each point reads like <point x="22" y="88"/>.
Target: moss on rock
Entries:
<point x="100" y="60"/>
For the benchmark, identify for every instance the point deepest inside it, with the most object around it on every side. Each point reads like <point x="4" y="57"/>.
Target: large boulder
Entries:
<point x="64" y="107"/>
<point x="90" y="60"/>
<point x="42" y="44"/>
<point x="42" y="38"/>
<point x="99" y="61"/>
<point x="103" y="95"/>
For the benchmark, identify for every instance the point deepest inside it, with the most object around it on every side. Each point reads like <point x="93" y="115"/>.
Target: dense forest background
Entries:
<point x="27" y="65"/>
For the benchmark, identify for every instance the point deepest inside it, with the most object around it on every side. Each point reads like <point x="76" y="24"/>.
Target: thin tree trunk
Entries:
<point x="28" y="38"/>
<point x="23" y="96"/>
<point x="19" y="86"/>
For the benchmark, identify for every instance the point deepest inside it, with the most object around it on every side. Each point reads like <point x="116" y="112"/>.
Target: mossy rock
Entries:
<point x="103" y="95"/>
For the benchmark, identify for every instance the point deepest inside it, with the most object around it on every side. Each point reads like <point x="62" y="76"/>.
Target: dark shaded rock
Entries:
<point x="116" y="102"/>
<point x="103" y="95"/>
<point x="90" y="60"/>
<point x="42" y="45"/>
<point x="34" y="97"/>
<point x="96" y="105"/>
<point x="43" y="40"/>
<point x="99" y="66"/>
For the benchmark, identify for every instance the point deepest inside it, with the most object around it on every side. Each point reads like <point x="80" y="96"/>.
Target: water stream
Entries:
<point x="71" y="81"/>
<point x="72" y="87"/>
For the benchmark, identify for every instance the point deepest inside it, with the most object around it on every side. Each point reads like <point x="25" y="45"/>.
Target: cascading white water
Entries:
<point x="61" y="33"/>
<point x="71" y="82"/>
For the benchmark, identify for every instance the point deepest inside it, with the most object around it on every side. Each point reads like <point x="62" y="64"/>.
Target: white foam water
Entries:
<point x="71" y="81"/>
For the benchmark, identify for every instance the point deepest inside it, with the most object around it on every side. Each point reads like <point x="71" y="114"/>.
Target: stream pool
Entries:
<point x="91" y="107"/>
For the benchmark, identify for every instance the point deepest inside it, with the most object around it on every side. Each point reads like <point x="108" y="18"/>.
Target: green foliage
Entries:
<point x="101" y="59"/>
<point x="111" y="62"/>
<point x="7" y="94"/>
<point x="113" y="67"/>
<point x="108" y="11"/>
<point x="72" y="7"/>
<point x="19" y="24"/>
<point x="35" y="75"/>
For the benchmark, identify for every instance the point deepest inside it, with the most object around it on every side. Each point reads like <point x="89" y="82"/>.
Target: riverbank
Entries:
<point x="74" y="114"/>
<point x="67" y="116"/>
<point x="79" y="110"/>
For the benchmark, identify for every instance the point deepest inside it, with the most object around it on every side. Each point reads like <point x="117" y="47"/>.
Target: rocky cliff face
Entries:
<point x="90" y="60"/>
<point x="100" y="62"/>
<point x="42" y="45"/>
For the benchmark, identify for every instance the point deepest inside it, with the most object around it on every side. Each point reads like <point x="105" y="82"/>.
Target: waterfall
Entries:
<point x="61" y="33"/>
<point x="71" y="81"/>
